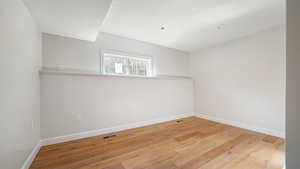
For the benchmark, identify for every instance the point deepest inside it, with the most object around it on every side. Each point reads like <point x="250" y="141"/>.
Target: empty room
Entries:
<point x="149" y="84"/>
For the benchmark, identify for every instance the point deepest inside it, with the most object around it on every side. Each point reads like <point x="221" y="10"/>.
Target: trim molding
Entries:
<point x="31" y="156"/>
<point x="91" y="133"/>
<point x="242" y="125"/>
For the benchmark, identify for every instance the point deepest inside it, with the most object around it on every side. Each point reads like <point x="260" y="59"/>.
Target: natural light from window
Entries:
<point x="119" y="64"/>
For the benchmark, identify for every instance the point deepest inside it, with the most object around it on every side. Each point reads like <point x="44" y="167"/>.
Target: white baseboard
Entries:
<point x="31" y="156"/>
<point x="242" y="125"/>
<point x="75" y="136"/>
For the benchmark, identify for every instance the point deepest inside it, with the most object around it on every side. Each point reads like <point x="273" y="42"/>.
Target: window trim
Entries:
<point x="127" y="55"/>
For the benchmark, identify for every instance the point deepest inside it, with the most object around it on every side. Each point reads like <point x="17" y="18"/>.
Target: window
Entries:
<point x="123" y="64"/>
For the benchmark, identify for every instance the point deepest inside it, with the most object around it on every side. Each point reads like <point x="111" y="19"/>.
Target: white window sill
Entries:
<point x="73" y="72"/>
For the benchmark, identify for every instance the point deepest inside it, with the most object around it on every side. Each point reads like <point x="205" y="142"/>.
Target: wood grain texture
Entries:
<point x="192" y="143"/>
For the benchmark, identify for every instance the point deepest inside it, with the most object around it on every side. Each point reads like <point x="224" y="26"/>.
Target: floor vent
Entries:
<point x="179" y="121"/>
<point x="108" y="137"/>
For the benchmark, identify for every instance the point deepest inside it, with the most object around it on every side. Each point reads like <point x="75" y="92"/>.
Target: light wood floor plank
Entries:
<point x="189" y="143"/>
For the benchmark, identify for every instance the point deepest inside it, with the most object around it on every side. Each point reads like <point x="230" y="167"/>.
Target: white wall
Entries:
<point x="66" y="52"/>
<point x="76" y="54"/>
<point x="292" y="85"/>
<point x="80" y="103"/>
<point x="20" y="59"/>
<point x="243" y="81"/>
<point x="73" y="104"/>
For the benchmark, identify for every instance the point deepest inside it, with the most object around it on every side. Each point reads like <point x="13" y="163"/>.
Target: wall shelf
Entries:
<point x="73" y="72"/>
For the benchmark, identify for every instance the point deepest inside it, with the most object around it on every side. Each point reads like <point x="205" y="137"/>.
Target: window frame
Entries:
<point x="125" y="55"/>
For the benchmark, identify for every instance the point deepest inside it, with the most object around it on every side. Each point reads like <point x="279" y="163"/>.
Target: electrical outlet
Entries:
<point x="32" y="124"/>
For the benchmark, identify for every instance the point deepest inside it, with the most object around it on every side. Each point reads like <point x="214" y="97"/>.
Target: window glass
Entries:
<point x="115" y="65"/>
<point x="126" y="65"/>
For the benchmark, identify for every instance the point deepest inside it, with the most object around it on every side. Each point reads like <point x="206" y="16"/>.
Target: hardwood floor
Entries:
<point x="189" y="143"/>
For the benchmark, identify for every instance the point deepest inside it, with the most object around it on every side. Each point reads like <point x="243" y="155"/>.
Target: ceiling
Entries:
<point x="79" y="19"/>
<point x="189" y="25"/>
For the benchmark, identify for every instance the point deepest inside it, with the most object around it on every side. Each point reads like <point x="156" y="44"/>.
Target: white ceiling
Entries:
<point x="192" y="24"/>
<point x="189" y="24"/>
<point x="79" y="19"/>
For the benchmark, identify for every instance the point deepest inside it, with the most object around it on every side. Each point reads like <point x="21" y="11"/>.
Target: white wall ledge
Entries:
<point x="76" y="72"/>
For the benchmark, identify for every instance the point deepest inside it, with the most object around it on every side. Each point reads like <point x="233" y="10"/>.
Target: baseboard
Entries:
<point x="75" y="136"/>
<point x="242" y="125"/>
<point x="31" y="156"/>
